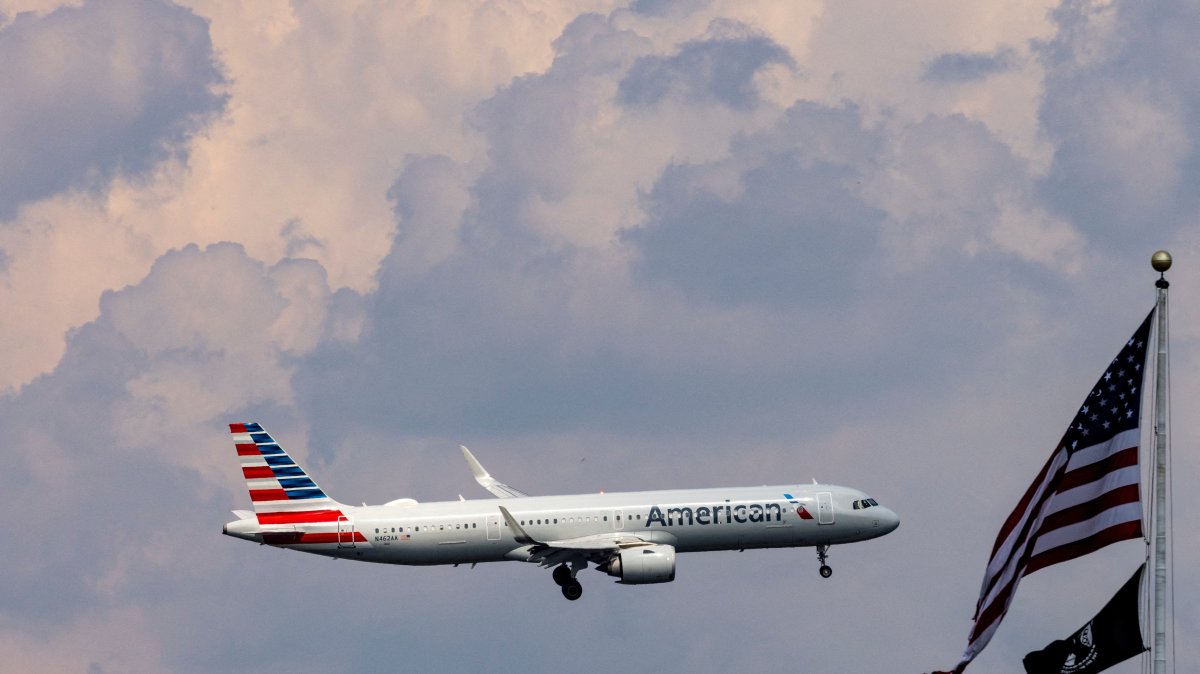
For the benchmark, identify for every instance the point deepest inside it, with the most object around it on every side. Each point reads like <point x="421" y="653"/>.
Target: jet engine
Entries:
<point x="642" y="565"/>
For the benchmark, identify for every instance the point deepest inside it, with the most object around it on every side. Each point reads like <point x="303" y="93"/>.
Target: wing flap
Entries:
<point x="595" y="548"/>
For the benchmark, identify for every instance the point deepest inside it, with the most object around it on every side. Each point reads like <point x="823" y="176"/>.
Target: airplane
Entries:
<point x="632" y="536"/>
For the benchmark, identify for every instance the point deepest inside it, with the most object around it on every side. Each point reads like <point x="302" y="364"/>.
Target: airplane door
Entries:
<point x="493" y="527"/>
<point x="824" y="507"/>
<point x="345" y="537"/>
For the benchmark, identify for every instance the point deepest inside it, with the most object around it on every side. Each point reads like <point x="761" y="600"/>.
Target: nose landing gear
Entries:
<point x="822" y="555"/>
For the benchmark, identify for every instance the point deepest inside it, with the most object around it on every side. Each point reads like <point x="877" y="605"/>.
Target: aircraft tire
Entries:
<point x="562" y="575"/>
<point x="826" y="571"/>
<point x="572" y="590"/>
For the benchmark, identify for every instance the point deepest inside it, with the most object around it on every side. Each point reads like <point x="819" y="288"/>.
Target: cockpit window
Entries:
<point x="864" y="503"/>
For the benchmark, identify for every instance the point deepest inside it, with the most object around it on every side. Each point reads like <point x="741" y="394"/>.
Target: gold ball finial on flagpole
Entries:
<point x="1161" y="261"/>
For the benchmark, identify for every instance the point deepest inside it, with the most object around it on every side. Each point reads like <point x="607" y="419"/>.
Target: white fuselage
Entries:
<point x="690" y="520"/>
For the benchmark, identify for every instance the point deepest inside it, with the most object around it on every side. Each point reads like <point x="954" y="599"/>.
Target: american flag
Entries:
<point x="1085" y="497"/>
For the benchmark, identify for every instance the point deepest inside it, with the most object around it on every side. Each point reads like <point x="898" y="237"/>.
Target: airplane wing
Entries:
<point x="499" y="489"/>
<point x="596" y="548"/>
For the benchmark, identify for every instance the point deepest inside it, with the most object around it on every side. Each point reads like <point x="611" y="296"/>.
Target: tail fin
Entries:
<point x="280" y="490"/>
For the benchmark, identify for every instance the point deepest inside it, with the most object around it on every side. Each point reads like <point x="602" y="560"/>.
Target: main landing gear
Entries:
<point x="822" y="555"/>
<point x="564" y="576"/>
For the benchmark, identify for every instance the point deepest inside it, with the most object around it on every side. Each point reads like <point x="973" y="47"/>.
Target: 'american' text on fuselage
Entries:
<point x="739" y="513"/>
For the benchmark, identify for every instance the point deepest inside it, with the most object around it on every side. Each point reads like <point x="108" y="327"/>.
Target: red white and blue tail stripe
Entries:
<point x="275" y="482"/>
<point x="288" y="504"/>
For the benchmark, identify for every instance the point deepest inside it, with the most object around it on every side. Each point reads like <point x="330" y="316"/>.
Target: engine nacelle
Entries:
<point x="642" y="565"/>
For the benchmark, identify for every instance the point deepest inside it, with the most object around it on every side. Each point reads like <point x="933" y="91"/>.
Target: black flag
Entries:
<point x="1115" y="634"/>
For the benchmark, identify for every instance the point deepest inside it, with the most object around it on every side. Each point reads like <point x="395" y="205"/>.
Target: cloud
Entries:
<point x="968" y="67"/>
<point x="105" y="88"/>
<point x="1121" y="97"/>
<point x="952" y="188"/>
<point x="298" y="164"/>
<point x="720" y="69"/>
<point x="115" y="432"/>
<point x="790" y="255"/>
<point x="783" y="232"/>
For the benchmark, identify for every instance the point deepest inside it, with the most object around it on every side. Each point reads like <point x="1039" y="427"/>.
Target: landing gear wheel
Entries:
<point x="562" y="575"/>
<point x="822" y="555"/>
<point x="826" y="571"/>
<point x="572" y="590"/>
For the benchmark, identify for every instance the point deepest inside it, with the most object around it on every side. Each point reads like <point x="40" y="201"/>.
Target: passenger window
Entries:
<point x="606" y="518"/>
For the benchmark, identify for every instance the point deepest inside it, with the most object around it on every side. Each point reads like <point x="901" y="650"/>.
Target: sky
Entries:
<point x="609" y="245"/>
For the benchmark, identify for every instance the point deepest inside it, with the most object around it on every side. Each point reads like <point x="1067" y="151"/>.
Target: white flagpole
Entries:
<point x="1161" y="261"/>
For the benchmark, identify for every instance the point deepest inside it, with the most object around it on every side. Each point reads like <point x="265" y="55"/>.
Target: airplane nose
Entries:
<point x="888" y="520"/>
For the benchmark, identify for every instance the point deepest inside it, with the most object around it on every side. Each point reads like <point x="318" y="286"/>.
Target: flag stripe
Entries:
<point x="1003" y="566"/>
<point x="1091" y="473"/>
<point x="1084" y="511"/>
<point x="994" y="609"/>
<point x="1114" y="534"/>
<point x="1022" y="508"/>
<point x="1116" y="479"/>
<point x="1126" y="512"/>
<point x="1100" y="450"/>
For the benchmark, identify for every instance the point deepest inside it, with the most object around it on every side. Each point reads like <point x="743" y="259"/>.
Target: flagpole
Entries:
<point x="1161" y="261"/>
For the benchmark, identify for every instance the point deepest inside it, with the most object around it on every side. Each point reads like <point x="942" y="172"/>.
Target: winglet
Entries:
<point x="476" y="468"/>
<point x="497" y="488"/>
<point x="519" y="534"/>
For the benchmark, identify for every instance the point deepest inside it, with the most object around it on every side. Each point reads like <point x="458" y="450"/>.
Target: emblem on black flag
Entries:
<point x="1115" y="634"/>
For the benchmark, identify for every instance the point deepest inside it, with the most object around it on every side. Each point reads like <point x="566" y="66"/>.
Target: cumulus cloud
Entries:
<point x="116" y="432"/>
<point x="719" y="69"/>
<point x="1119" y="104"/>
<point x="103" y="88"/>
<point x="297" y="165"/>
<point x="669" y="244"/>
<point x="792" y="230"/>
